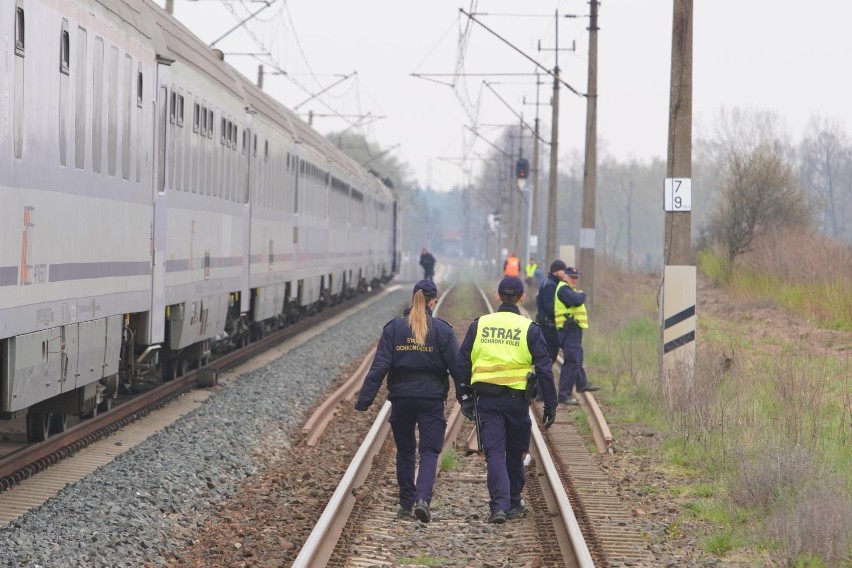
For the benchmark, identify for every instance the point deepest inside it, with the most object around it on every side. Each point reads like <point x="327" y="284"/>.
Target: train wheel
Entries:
<point x="58" y="423"/>
<point x="38" y="427"/>
<point x="105" y="405"/>
<point x="169" y="370"/>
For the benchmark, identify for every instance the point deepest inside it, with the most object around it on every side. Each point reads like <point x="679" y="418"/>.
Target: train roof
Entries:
<point x="181" y="44"/>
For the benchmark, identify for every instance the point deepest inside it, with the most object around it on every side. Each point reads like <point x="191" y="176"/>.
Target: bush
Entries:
<point x="816" y="524"/>
<point x="771" y="473"/>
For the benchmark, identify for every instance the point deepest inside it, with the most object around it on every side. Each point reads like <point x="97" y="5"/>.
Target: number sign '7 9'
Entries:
<point x="678" y="194"/>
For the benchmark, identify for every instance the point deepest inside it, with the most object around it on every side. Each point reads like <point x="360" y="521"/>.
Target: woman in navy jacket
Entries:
<point x="416" y="352"/>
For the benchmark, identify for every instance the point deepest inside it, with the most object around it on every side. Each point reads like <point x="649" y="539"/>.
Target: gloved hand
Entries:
<point x="360" y="407"/>
<point x="548" y="417"/>
<point x="468" y="408"/>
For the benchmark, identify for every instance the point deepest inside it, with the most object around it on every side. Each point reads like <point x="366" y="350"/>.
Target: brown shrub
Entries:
<point x="800" y="256"/>
<point x="817" y="522"/>
<point x="770" y="473"/>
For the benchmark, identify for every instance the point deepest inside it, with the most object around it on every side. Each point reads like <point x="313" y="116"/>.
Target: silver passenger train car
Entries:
<point x="154" y="204"/>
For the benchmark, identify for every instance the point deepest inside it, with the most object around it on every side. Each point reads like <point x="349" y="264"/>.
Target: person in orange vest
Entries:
<point x="512" y="266"/>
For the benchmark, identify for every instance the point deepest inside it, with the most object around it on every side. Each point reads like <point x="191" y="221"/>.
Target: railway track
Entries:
<point x="353" y="529"/>
<point x="94" y="442"/>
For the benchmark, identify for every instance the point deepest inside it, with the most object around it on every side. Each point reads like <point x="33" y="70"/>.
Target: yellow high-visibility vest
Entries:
<point x="561" y="312"/>
<point x="500" y="355"/>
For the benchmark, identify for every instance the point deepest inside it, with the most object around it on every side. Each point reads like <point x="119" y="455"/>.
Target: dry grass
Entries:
<point x="767" y="425"/>
<point x="802" y="271"/>
<point x="817" y="525"/>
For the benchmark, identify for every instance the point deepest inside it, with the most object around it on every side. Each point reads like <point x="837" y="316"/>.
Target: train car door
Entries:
<point x="157" y="320"/>
<point x="245" y="197"/>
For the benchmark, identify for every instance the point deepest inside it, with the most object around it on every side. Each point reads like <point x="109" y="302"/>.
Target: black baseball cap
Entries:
<point x="511" y="285"/>
<point x="557" y="265"/>
<point x="428" y="287"/>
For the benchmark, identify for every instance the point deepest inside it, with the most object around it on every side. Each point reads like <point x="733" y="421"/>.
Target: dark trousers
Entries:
<point x="427" y="415"/>
<point x="505" y="437"/>
<point x="551" y="339"/>
<point x="572" y="374"/>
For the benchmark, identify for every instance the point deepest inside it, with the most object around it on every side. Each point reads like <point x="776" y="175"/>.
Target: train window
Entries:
<point x="63" y="94"/>
<point x="20" y="42"/>
<point x="128" y="105"/>
<point x="97" y="104"/>
<point x="80" y="119"/>
<point x="210" y="122"/>
<point x="196" y="117"/>
<point x="112" y="112"/>
<point x="139" y="130"/>
<point x="180" y="110"/>
<point x="139" y="87"/>
<point x="173" y="107"/>
<point x="64" y="49"/>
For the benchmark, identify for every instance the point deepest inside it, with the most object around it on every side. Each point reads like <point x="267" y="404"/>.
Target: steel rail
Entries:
<point x="574" y="544"/>
<point x="323" y="415"/>
<point x="319" y="546"/>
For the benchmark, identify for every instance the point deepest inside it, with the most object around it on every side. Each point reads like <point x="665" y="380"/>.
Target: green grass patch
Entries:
<point x="449" y="459"/>
<point x="421" y="561"/>
<point x="805" y="560"/>
<point x="721" y="543"/>
<point x="710" y="510"/>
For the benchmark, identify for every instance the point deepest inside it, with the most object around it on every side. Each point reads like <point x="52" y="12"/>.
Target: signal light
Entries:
<point x="522" y="169"/>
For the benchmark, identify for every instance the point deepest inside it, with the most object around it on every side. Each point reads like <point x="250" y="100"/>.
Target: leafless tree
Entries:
<point x="759" y="192"/>
<point x="826" y="170"/>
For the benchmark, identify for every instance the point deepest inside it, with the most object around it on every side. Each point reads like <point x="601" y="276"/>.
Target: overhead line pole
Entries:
<point x="550" y="248"/>
<point x="678" y="319"/>
<point x="587" y="228"/>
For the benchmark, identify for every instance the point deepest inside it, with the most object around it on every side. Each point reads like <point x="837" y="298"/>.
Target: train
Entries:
<point x="155" y="205"/>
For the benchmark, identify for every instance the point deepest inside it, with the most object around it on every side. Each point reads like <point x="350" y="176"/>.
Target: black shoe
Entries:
<point x="518" y="511"/>
<point x="570" y="401"/>
<point x="497" y="517"/>
<point x="403" y="513"/>
<point x="421" y="511"/>
<point x="588" y="388"/>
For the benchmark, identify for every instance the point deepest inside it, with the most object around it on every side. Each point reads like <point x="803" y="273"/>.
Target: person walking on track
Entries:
<point x="427" y="261"/>
<point x="512" y="266"/>
<point x="496" y="358"/>
<point x="415" y="351"/>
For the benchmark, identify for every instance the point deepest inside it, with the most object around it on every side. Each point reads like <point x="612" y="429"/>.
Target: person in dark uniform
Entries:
<point x="415" y="351"/>
<point x="496" y="356"/>
<point x="427" y="261"/>
<point x="544" y="306"/>
<point x="562" y="315"/>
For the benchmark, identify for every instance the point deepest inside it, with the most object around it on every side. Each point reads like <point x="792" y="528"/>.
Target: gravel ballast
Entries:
<point x="150" y="499"/>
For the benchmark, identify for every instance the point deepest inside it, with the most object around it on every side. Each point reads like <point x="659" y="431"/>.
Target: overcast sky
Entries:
<point x="788" y="56"/>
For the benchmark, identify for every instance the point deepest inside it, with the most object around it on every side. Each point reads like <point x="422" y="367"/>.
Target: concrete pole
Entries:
<point x="678" y="319"/>
<point x="536" y="188"/>
<point x="587" y="230"/>
<point x="550" y="250"/>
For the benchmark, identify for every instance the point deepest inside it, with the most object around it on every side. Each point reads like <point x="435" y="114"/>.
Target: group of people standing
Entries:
<point x="504" y="362"/>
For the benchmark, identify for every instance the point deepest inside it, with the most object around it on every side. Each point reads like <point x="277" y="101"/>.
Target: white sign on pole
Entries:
<point x="677" y="194"/>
